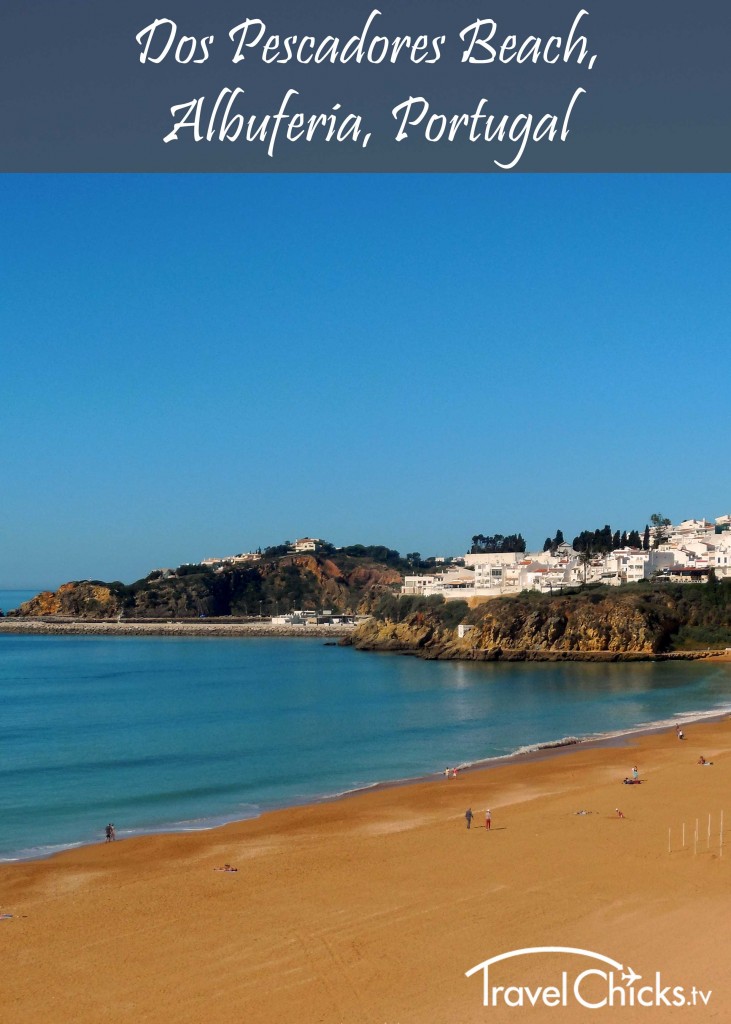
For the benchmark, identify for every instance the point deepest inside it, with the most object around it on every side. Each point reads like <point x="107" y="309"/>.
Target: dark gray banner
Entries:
<point x="282" y="85"/>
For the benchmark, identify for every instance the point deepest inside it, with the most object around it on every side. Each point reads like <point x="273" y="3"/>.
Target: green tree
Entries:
<point x="659" y="531"/>
<point x="585" y="558"/>
<point x="497" y="543"/>
<point x="594" y="540"/>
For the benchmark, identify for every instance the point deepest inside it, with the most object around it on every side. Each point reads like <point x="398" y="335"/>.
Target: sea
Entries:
<point x="11" y="599"/>
<point x="163" y="734"/>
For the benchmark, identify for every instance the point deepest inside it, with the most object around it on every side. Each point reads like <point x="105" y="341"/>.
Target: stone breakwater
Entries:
<point x="38" y="627"/>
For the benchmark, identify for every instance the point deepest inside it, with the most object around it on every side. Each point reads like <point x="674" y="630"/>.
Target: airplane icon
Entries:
<point x="631" y="977"/>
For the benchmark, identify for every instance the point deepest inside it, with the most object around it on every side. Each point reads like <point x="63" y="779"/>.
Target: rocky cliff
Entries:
<point x="74" y="600"/>
<point x="344" y="584"/>
<point x="632" y="622"/>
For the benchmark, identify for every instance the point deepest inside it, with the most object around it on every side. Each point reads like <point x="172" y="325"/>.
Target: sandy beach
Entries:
<point x="370" y="909"/>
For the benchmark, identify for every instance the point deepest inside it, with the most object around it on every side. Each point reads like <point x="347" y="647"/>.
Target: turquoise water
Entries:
<point x="154" y="733"/>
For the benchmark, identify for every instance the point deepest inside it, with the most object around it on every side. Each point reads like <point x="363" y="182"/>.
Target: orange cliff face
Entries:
<point x="77" y="600"/>
<point x="339" y="587"/>
<point x="320" y="582"/>
<point x="621" y="624"/>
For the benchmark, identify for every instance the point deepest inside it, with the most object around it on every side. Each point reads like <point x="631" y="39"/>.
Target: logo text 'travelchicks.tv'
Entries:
<point x="584" y="978"/>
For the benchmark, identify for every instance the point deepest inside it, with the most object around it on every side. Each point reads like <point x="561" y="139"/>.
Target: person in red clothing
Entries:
<point x="488" y="819"/>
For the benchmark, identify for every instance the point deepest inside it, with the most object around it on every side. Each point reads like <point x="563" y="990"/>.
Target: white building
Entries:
<point x="492" y="569"/>
<point x="630" y="565"/>
<point x="248" y="556"/>
<point x="688" y="530"/>
<point x="306" y="544"/>
<point x="692" y="547"/>
<point x="418" y="584"/>
<point x="450" y="583"/>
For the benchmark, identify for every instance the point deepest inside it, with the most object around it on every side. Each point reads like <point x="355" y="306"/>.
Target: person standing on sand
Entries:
<point x="488" y="819"/>
<point x="468" y="815"/>
<point x="635" y="773"/>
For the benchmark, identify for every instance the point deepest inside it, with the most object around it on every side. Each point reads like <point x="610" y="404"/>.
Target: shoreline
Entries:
<point x="531" y="754"/>
<point x="340" y="633"/>
<point x="373" y="908"/>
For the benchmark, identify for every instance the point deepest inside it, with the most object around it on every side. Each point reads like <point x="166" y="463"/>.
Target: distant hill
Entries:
<point x="340" y="581"/>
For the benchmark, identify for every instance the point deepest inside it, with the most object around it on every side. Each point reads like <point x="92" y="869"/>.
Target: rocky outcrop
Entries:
<point x="74" y="600"/>
<point x="587" y="626"/>
<point x="608" y="625"/>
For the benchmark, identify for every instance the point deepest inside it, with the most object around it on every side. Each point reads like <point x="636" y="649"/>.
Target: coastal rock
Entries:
<point x="595" y="624"/>
<point x="74" y="600"/>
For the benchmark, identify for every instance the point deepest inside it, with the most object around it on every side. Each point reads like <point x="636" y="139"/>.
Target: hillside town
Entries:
<point x="692" y="551"/>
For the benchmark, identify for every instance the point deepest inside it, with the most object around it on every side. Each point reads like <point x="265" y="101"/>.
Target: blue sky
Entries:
<point x="199" y="365"/>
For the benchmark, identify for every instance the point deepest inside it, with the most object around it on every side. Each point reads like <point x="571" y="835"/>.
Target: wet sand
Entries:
<point x="370" y="909"/>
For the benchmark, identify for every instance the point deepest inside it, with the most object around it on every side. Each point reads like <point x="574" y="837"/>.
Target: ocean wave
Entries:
<point x="683" y="718"/>
<point x="203" y="824"/>
<point x="41" y="852"/>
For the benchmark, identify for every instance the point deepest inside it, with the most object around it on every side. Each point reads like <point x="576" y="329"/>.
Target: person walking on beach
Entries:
<point x="635" y="773"/>
<point x="488" y="819"/>
<point x="109" y="832"/>
<point x="468" y="815"/>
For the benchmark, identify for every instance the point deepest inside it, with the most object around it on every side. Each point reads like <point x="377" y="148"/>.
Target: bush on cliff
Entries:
<point x="447" y="614"/>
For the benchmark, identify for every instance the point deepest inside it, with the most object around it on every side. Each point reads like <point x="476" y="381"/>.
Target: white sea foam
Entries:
<point x="685" y="718"/>
<point x="40" y="852"/>
<point x="204" y="824"/>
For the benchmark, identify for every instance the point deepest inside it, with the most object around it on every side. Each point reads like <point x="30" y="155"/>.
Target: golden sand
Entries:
<point x="369" y="910"/>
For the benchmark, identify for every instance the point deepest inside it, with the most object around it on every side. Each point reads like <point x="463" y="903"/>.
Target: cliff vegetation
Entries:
<point x="639" y="620"/>
<point x="276" y="584"/>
